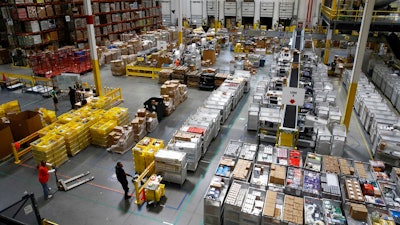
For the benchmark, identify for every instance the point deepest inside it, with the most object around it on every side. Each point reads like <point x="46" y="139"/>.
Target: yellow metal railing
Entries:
<point x="17" y="153"/>
<point x="356" y="15"/>
<point x="115" y="94"/>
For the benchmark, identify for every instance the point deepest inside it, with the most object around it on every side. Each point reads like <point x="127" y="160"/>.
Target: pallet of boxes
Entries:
<point x="121" y="139"/>
<point x="143" y="123"/>
<point x="173" y="93"/>
<point x="180" y="74"/>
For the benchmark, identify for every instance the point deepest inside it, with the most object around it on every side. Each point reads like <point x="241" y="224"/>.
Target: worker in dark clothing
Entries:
<point x="121" y="176"/>
<point x="72" y="97"/>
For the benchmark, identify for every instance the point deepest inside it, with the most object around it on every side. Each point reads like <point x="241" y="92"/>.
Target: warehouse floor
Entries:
<point x="101" y="201"/>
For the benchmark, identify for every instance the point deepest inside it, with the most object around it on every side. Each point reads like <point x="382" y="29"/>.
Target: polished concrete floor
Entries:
<point x="101" y="201"/>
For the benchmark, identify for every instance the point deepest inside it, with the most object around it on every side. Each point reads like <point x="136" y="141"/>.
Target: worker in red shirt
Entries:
<point x="177" y="62"/>
<point x="44" y="178"/>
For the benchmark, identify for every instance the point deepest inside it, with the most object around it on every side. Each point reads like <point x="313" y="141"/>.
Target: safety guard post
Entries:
<point x="15" y="152"/>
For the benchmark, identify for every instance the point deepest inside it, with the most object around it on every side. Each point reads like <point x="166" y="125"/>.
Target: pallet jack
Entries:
<point x="64" y="185"/>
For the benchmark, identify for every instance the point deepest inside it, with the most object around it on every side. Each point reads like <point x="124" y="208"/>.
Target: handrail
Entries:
<point x="356" y="15"/>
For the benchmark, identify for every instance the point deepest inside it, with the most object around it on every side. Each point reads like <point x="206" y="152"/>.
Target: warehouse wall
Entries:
<point x="193" y="8"/>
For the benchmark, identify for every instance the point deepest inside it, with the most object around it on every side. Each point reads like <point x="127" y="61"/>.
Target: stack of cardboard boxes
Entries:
<point x="331" y="164"/>
<point x="270" y="209"/>
<point x="185" y="136"/>
<point x="121" y="139"/>
<point x="293" y="209"/>
<point x="277" y="175"/>
<point x="360" y="170"/>
<point x="180" y="74"/>
<point x="139" y="125"/>
<point x="173" y="92"/>
<point x="164" y="75"/>
<point x="345" y="168"/>
<point x="242" y="170"/>
<point x="353" y="190"/>
<point x="193" y="78"/>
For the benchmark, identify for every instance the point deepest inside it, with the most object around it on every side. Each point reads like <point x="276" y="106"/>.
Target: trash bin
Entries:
<point x="262" y="62"/>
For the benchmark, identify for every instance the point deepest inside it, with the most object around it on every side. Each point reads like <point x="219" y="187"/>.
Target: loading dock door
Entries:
<point x="286" y="10"/>
<point x="166" y="12"/>
<point x="196" y="11"/>
<point x="266" y="14"/>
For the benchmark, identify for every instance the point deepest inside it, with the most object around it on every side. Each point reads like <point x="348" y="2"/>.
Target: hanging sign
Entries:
<point x="293" y="96"/>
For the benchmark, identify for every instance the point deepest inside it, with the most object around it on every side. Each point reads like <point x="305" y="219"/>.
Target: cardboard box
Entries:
<point x="141" y="112"/>
<point x="6" y="138"/>
<point x="24" y="124"/>
<point x="358" y="212"/>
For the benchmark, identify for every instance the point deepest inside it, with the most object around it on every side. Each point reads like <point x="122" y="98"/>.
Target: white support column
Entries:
<point x="360" y="51"/>
<point x="180" y="31"/>
<point x="92" y="44"/>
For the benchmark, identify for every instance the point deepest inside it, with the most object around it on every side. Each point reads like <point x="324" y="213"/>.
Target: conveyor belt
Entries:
<point x="296" y="57"/>
<point x="290" y="117"/>
<point x="298" y="41"/>
<point x="290" y="114"/>
<point x="294" y="78"/>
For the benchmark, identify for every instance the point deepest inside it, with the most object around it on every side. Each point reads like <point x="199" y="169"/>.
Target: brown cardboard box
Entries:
<point x="141" y="112"/>
<point x="358" y="212"/>
<point x="6" y="138"/>
<point x="49" y="10"/>
<point x="41" y="12"/>
<point x="4" y="56"/>
<point x="24" y="124"/>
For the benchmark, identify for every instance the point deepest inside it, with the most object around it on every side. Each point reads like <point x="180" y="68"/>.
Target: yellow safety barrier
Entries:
<point x="17" y="153"/>
<point x="19" y="76"/>
<point x="142" y="71"/>
<point x="115" y="94"/>
<point x="32" y="79"/>
<point x="140" y="191"/>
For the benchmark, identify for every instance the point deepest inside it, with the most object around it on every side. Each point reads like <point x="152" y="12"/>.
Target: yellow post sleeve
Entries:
<point x="327" y="49"/>
<point x="349" y="105"/>
<point x="180" y="37"/>
<point x="96" y="75"/>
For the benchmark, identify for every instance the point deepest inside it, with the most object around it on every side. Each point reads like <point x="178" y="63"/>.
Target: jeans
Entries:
<point x="45" y="190"/>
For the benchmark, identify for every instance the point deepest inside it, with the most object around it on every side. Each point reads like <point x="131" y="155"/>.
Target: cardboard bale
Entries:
<point x="24" y="123"/>
<point x="117" y="67"/>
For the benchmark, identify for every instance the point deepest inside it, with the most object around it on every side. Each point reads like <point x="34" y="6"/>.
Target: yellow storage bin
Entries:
<point x="66" y="117"/>
<point x="155" y="195"/>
